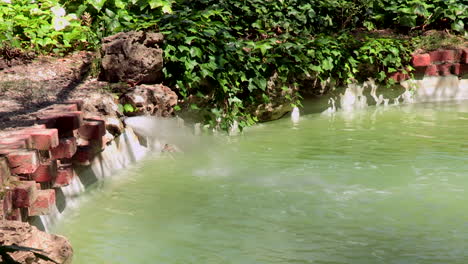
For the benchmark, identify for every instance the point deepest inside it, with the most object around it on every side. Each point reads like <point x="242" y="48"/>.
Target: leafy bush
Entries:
<point x="225" y="52"/>
<point x="40" y="26"/>
<point x="230" y="56"/>
<point x="419" y="14"/>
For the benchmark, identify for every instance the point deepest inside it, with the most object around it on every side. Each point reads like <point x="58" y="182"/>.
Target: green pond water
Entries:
<point x="377" y="186"/>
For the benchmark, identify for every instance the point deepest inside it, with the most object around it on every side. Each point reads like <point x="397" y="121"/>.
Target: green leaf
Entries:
<point x="128" y="108"/>
<point x="458" y="26"/>
<point x="98" y="4"/>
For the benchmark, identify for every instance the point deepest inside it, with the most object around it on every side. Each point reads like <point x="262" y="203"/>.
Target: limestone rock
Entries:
<point x="55" y="247"/>
<point x="132" y="57"/>
<point x="101" y="105"/>
<point x="156" y="100"/>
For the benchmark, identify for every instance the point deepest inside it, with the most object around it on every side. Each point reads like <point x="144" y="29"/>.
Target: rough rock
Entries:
<point x="99" y="104"/>
<point x="156" y="100"/>
<point x="132" y="57"/>
<point x="55" y="247"/>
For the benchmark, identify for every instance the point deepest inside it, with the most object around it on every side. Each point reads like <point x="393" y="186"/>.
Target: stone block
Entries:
<point x="24" y="194"/>
<point x="43" y="203"/>
<point x="440" y="56"/>
<point x="65" y="174"/>
<point x="23" y="161"/>
<point x="92" y="129"/>
<point x="46" y="172"/>
<point x="65" y="149"/>
<point x="421" y="60"/>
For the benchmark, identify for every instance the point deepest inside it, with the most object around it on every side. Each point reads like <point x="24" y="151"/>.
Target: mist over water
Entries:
<point x="376" y="185"/>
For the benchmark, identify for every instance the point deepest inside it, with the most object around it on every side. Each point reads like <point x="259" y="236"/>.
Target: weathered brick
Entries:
<point x="439" y="56"/>
<point x="421" y="60"/>
<point x="14" y="215"/>
<point x="4" y="170"/>
<point x="445" y="69"/>
<point x="399" y="77"/>
<point x="62" y="108"/>
<point x="24" y="194"/>
<point x="7" y="202"/>
<point x="432" y="70"/>
<point x="16" y="138"/>
<point x="464" y="56"/>
<point x="23" y="161"/>
<point x="43" y="203"/>
<point x="65" y="149"/>
<point x="43" y="139"/>
<point x="65" y="174"/>
<point x="46" y="172"/>
<point x="92" y="129"/>
<point x="456" y="69"/>
<point x="65" y="122"/>
<point x="79" y="103"/>
<point x="83" y="155"/>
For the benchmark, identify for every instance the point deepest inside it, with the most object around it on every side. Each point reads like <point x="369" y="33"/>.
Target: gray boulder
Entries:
<point x="133" y="57"/>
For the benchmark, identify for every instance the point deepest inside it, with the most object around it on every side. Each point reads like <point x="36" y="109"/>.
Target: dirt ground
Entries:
<point x="27" y="88"/>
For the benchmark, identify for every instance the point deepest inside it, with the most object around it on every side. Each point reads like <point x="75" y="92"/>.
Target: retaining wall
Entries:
<point x="36" y="160"/>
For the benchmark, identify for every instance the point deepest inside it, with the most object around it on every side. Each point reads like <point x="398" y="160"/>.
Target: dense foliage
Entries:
<point x="223" y="54"/>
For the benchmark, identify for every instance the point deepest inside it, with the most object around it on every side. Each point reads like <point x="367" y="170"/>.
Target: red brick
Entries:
<point x="46" y="172"/>
<point x="443" y="56"/>
<point x="421" y="60"/>
<point x="65" y="174"/>
<point x="16" y="138"/>
<point x="14" y="215"/>
<point x="44" y="202"/>
<point x="63" y="121"/>
<point x="23" y="161"/>
<point x="95" y="145"/>
<point x="79" y="103"/>
<point x="464" y="56"/>
<point x="399" y="77"/>
<point x="432" y="70"/>
<point x="4" y="170"/>
<point x="43" y="139"/>
<point x="456" y="69"/>
<point x="445" y="69"/>
<point x="7" y="202"/>
<point x="13" y="143"/>
<point x="24" y="194"/>
<point x="61" y="108"/>
<point x="92" y="129"/>
<point x="65" y="149"/>
<point x="83" y="156"/>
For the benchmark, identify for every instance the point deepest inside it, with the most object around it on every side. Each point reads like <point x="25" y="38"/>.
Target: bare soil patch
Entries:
<point x="27" y="88"/>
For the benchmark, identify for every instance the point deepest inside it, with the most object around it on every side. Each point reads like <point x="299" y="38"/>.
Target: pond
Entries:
<point x="381" y="185"/>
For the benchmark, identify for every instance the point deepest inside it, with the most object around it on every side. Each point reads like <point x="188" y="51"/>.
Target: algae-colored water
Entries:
<point x="377" y="186"/>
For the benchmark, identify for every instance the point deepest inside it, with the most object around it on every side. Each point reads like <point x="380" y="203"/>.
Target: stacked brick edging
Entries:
<point x="437" y="63"/>
<point x="35" y="160"/>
